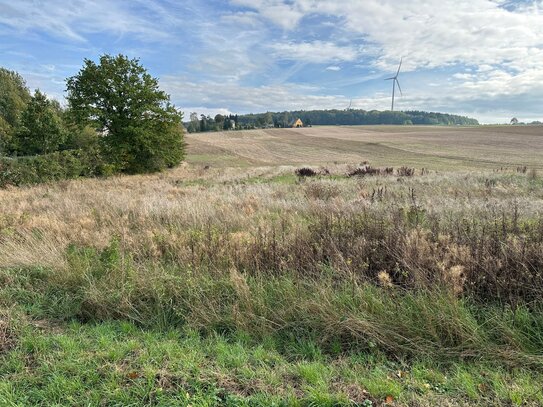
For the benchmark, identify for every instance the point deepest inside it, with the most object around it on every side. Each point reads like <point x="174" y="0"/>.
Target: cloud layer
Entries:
<point x="484" y="56"/>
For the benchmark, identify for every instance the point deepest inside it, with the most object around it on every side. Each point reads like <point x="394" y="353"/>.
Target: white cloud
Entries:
<point x="241" y="98"/>
<point x="314" y="52"/>
<point x="287" y="15"/>
<point x="431" y="33"/>
<point x="73" y="20"/>
<point x="484" y="56"/>
<point x="502" y="41"/>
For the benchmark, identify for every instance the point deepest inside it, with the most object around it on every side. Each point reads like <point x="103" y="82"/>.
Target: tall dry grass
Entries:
<point x="451" y="228"/>
<point x="410" y="264"/>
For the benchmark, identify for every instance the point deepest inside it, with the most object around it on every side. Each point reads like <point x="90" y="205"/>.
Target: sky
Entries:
<point x="481" y="58"/>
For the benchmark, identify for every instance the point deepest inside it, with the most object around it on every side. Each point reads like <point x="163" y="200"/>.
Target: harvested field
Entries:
<point x="438" y="148"/>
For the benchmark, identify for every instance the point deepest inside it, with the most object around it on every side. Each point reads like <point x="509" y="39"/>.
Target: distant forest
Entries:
<point x="325" y="117"/>
<point x="357" y="117"/>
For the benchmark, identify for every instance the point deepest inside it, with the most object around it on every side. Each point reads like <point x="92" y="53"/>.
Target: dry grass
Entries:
<point x="437" y="148"/>
<point x="38" y="223"/>
<point x="267" y="219"/>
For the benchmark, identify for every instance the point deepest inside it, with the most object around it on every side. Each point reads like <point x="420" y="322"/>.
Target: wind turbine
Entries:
<point x="350" y="104"/>
<point x="395" y="82"/>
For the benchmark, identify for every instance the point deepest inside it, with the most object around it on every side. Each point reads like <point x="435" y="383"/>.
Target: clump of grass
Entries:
<point x="8" y="337"/>
<point x="322" y="191"/>
<point x="364" y="170"/>
<point x="405" y="172"/>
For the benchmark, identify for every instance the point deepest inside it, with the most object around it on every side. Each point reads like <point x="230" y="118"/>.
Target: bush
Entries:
<point x="364" y="170"/>
<point x="55" y="166"/>
<point x="322" y="191"/>
<point x="306" y="172"/>
<point x="406" y="172"/>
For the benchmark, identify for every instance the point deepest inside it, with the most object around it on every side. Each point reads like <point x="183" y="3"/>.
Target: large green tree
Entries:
<point x="40" y="130"/>
<point x="14" y="96"/>
<point x="141" y="131"/>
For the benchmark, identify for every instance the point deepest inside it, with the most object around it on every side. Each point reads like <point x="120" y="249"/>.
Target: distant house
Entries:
<point x="297" y="123"/>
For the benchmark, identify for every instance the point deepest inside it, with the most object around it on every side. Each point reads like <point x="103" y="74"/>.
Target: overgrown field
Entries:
<point x="229" y="285"/>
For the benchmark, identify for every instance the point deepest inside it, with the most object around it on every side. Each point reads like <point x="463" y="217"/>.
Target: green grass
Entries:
<point x="117" y="363"/>
<point x="106" y="332"/>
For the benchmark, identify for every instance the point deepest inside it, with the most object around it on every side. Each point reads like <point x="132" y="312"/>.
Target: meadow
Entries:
<point x="231" y="280"/>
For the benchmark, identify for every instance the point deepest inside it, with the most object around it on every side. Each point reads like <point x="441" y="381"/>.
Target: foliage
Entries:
<point x="14" y="96"/>
<point x="41" y="130"/>
<point x="354" y="117"/>
<point x="54" y="166"/>
<point x="327" y="117"/>
<point x="208" y="123"/>
<point x="305" y="172"/>
<point x="141" y="131"/>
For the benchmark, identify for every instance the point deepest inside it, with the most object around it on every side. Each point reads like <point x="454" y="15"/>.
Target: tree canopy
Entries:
<point x="41" y="130"/>
<point x="14" y="95"/>
<point x="354" y="117"/>
<point x="140" y="130"/>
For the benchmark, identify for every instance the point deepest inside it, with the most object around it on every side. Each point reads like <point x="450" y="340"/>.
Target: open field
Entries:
<point x="244" y="284"/>
<point x="438" y="148"/>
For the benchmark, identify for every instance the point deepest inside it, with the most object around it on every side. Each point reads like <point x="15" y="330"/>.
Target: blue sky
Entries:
<point x="482" y="58"/>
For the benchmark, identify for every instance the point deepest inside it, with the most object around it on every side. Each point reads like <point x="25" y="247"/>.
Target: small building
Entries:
<point x="297" y="123"/>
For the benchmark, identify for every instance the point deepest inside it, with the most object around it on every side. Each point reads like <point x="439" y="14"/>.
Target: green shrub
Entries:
<point x="55" y="166"/>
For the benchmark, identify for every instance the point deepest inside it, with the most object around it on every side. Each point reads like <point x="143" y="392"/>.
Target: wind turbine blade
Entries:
<point x="389" y="79"/>
<point x="397" y="73"/>
<point x="398" y="83"/>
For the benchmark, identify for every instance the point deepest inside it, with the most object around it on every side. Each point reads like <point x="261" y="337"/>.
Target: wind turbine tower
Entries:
<point x="395" y="82"/>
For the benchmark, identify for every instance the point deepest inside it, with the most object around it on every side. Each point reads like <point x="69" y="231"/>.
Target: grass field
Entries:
<point x="232" y="281"/>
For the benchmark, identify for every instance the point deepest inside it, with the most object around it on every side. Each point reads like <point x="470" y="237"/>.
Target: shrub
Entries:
<point x="55" y="166"/>
<point x="306" y="172"/>
<point x="363" y="171"/>
<point x="405" y="172"/>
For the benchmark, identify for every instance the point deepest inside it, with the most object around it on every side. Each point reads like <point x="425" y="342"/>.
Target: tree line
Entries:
<point x="354" y="117"/>
<point x="208" y="123"/>
<point x="349" y="117"/>
<point x="117" y="120"/>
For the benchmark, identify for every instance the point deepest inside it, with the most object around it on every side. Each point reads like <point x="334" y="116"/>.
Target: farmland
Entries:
<point x="438" y="148"/>
<point x="229" y="280"/>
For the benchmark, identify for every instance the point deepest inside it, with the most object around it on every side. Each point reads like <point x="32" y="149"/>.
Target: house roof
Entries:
<point x="295" y="121"/>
